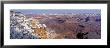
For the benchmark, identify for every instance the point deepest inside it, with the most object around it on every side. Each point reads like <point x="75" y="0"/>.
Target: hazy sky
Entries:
<point x="40" y="11"/>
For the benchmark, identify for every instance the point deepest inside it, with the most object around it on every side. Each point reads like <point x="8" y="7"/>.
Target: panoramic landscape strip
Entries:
<point x="55" y="24"/>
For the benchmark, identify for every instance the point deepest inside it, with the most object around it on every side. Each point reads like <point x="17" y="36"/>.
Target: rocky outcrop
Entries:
<point x="19" y="27"/>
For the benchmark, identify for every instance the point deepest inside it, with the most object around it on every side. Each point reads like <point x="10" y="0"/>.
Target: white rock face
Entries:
<point x="44" y="25"/>
<point x="19" y="27"/>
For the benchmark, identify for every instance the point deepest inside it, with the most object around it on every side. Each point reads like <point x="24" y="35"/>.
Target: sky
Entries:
<point x="47" y="11"/>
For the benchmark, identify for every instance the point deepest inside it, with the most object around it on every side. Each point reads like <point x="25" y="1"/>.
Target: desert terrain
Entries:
<point x="55" y="26"/>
